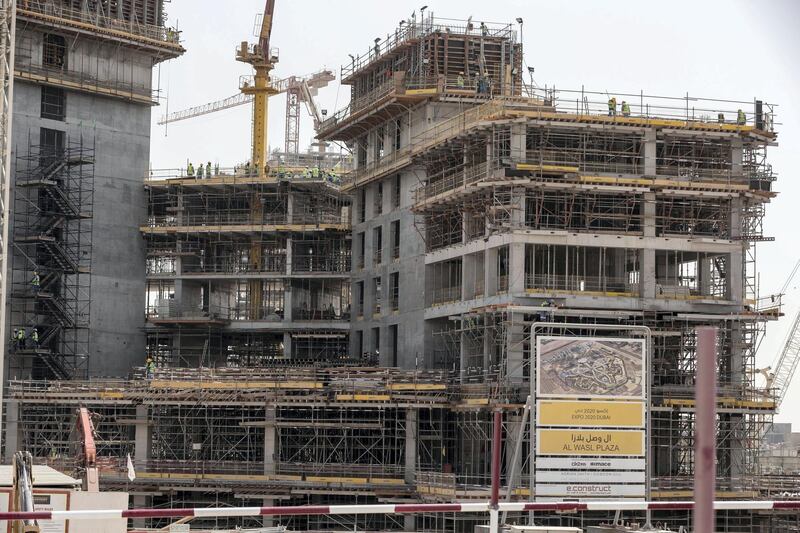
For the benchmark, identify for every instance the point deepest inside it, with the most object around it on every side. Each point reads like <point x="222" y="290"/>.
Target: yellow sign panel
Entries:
<point x="589" y="442"/>
<point x="590" y="414"/>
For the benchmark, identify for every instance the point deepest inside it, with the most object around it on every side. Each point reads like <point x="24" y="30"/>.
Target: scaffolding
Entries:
<point x="246" y="269"/>
<point x="51" y="266"/>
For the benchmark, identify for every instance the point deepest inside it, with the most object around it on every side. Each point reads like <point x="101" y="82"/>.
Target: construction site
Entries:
<point x="463" y="264"/>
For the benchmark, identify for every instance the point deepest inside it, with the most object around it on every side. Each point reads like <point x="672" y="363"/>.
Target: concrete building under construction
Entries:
<point x="482" y="215"/>
<point x="81" y="144"/>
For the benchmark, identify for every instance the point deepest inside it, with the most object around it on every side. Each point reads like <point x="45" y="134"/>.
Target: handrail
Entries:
<point x="59" y="10"/>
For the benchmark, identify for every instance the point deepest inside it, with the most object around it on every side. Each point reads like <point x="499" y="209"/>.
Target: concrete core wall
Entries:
<point x="120" y="133"/>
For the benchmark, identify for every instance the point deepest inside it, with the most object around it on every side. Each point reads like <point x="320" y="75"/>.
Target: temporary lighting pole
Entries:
<point x="705" y="428"/>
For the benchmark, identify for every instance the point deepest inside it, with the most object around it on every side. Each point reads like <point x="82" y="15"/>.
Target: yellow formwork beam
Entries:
<point x="363" y="397"/>
<point x="234" y="385"/>
<point x="417" y="386"/>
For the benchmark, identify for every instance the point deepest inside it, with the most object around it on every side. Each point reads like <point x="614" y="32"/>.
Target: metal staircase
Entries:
<point x="52" y="238"/>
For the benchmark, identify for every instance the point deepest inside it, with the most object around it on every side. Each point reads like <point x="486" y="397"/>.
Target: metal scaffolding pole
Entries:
<point x="8" y="16"/>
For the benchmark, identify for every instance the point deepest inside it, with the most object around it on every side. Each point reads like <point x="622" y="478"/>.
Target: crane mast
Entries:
<point x="263" y="61"/>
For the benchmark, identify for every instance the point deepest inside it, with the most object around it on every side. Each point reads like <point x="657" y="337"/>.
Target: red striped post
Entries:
<point x="705" y="425"/>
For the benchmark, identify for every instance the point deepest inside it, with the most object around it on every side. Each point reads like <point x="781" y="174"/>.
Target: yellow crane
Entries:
<point x="262" y="60"/>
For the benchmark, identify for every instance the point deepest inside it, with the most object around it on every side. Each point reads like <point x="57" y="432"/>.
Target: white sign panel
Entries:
<point x="583" y="476"/>
<point x="591" y="490"/>
<point x="566" y="463"/>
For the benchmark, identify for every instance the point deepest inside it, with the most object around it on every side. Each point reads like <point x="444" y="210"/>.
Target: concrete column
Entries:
<point x="490" y="272"/>
<point x="139" y="502"/>
<point x="289" y="206"/>
<point x="268" y="521"/>
<point x="647" y="275"/>
<point x="13" y="430"/>
<point x="704" y="268"/>
<point x="287" y="301"/>
<point x="468" y="273"/>
<point x="462" y="357"/>
<point x="411" y="446"/>
<point x="289" y="250"/>
<point x="142" y="435"/>
<point x="518" y="132"/>
<point x="516" y="270"/>
<point x="649" y="152"/>
<point x="737" y="157"/>
<point x="735" y="275"/>
<point x="518" y="208"/>
<point x="142" y="441"/>
<point x="617" y="270"/>
<point x="270" y="441"/>
<point x="515" y="355"/>
<point x="409" y="522"/>
<point x="737" y="377"/>
<point x="287" y="345"/>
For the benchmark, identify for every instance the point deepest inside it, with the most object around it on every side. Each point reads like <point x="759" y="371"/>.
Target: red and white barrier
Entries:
<point x="467" y="507"/>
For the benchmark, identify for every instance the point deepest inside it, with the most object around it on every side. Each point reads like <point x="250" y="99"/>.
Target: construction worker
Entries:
<point x="208" y="169"/>
<point x="721" y="118"/>
<point x="315" y="172"/>
<point x="36" y="282"/>
<point x="35" y="338"/>
<point x="21" y="339"/>
<point x="484" y="30"/>
<point x="200" y="171"/>
<point x="14" y="340"/>
<point x="149" y="367"/>
<point x="190" y="170"/>
<point x="460" y="80"/>
<point x="612" y="106"/>
<point x="741" y="118"/>
<point x="626" y="109"/>
<point x="247" y="168"/>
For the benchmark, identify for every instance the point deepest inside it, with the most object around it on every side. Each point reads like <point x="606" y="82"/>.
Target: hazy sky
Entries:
<point x="724" y="49"/>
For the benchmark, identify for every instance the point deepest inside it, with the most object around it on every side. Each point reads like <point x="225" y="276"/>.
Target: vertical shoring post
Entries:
<point x="8" y="17"/>
<point x="494" y="516"/>
<point x="705" y="428"/>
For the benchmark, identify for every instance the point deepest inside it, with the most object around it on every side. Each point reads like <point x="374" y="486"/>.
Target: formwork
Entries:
<point x="246" y="269"/>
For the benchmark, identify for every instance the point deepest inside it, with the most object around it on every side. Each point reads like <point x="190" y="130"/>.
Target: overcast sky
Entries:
<point x="728" y="49"/>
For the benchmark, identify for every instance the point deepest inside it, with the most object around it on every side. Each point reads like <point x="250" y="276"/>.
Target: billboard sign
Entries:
<point x="600" y="442"/>
<point x="589" y="367"/>
<point x="566" y="413"/>
<point x="583" y="490"/>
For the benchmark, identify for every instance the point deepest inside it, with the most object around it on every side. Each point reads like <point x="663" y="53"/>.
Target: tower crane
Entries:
<point x="262" y="59"/>
<point x="787" y="362"/>
<point x="298" y="89"/>
<point x="779" y="375"/>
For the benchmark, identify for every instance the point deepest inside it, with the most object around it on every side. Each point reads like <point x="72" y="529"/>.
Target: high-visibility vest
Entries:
<point x="208" y="170"/>
<point x="190" y="170"/>
<point x="740" y="117"/>
<point x="35" y="335"/>
<point x="460" y="82"/>
<point x="626" y="108"/>
<point x="21" y="334"/>
<point x="612" y="103"/>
